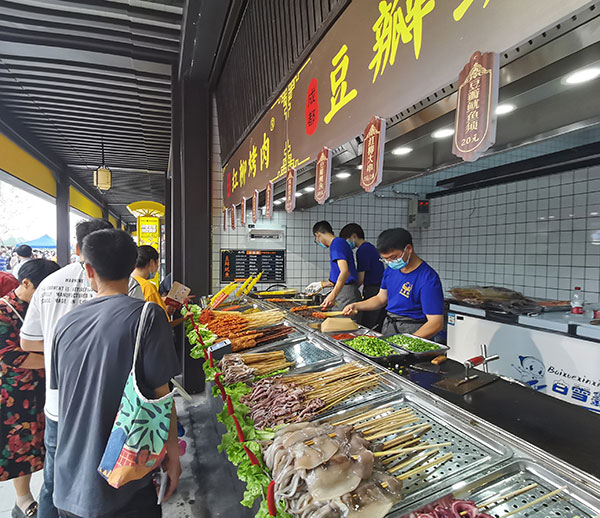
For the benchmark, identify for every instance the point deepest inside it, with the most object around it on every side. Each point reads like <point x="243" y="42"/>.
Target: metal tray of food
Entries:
<point x="384" y="360"/>
<point x="473" y="451"/>
<point x="304" y="352"/>
<point x="543" y="490"/>
<point x="439" y="348"/>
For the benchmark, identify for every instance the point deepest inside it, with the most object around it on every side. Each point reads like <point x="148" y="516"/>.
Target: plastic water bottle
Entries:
<point x="577" y="301"/>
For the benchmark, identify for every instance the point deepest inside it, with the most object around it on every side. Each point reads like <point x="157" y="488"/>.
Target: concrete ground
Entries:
<point x="208" y="488"/>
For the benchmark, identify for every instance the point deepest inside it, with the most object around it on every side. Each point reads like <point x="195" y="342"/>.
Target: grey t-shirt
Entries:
<point x="91" y="360"/>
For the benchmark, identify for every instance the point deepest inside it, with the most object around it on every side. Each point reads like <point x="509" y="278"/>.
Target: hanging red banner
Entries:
<point x="269" y="200"/>
<point x="475" y="123"/>
<point x="323" y="175"/>
<point x="372" y="162"/>
<point x="290" y="191"/>
<point x="233" y="217"/>
<point x="243" y="213"/>
<point x="255" y="206"/>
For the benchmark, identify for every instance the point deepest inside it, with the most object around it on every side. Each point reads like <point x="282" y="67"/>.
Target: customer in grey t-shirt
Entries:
<point x="91" y="360"/>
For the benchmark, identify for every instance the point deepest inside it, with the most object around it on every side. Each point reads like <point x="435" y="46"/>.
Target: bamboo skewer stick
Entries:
<point x="536" y="501"/>
<point x="362" y="417"/>
<point x="426" y="466"/>
<point x="417" y="428"/>
<point x="413" y="448"/>
<point x="405" y="444"/>
<point x="507" y="496"/>
<point x="390" y="428"/>
<point x="414" y="459"/>
<point x="377" y="423"/>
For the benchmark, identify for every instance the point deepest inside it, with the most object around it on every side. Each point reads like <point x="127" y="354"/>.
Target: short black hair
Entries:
<point x="24" y="251"/>
<point x="145" y="254"/>
<point x="37" y="270"/>
<point x="111" y="253"/>
<point x="393" y="239"/>
<point x="352" y="228"/>
<point x="85" y="228"/>
<point x="323" y="227"/>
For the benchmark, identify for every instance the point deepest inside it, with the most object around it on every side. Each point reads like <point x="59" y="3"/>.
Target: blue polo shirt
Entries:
<point x="339" y="249"/>
<point x="414" y="294"/>
<point x="367" y="260"/>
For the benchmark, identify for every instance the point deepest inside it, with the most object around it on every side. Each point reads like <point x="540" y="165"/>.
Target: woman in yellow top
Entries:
<point x="146" y="267"/>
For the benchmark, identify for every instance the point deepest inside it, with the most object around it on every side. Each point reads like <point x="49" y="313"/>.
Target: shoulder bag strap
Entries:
<point x="5" y="300"/>
<point x="140" y="331"/>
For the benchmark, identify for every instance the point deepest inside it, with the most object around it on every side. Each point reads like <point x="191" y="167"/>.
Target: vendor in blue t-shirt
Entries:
<point x="370" y="272"/>
<point x="411" y="290"/>
<point x="342" y="272"/>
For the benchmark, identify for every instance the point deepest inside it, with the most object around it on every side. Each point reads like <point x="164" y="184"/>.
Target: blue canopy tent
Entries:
<point x="41" y="242"/>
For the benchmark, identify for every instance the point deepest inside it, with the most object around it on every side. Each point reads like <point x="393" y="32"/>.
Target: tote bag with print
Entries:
<point x="137" y="443"/>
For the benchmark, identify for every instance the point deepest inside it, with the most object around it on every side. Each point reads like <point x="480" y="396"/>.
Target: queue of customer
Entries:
<point x="77" y="325"/>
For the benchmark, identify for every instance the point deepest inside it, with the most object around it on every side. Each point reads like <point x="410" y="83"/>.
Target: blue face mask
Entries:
<point x="398" y="264"/>
<point x="321" y="244"/>
<point x="351" y="244"/>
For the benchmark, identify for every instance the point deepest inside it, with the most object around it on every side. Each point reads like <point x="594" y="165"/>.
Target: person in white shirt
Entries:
<point x="24" y="254"/>
<point x="56" y="295"/>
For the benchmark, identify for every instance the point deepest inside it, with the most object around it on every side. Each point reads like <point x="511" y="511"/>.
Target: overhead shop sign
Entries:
<point x="377" y="59"/>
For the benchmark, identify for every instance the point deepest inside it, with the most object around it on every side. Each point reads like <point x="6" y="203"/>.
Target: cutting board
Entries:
<point x="332" y="325"/>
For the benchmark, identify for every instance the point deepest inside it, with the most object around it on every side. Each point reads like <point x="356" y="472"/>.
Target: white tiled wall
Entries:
<point x="533" y="236"/>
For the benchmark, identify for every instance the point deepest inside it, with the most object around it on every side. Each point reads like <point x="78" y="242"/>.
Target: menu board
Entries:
<point x="241" y="264"/>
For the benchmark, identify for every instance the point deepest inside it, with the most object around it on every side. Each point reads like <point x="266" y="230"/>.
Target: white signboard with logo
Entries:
<point x="561" y="366"/>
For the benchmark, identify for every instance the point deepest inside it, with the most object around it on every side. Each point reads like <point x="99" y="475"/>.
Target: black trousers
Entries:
<point x="142" y="505"/>
<point x="371" y="319"/>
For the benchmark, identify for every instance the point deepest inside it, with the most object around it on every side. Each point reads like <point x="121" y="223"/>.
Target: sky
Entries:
<point x="27" y="216"/>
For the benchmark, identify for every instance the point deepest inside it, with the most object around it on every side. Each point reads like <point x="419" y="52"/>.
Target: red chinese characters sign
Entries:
<point x="323" y="176"/>
<point x="255" y="206"/>
<point x="233" y="217"/>
<point x="290" y="191"/>
<point x="269" y="200"/>
<point x="379" y="57"/>
<point x="475" y="124"/>
<point x="371" y="173"/>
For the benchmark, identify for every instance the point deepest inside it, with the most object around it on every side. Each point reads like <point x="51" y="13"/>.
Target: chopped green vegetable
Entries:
<point x="371" y="346"/>
<point x="412" y="343"/>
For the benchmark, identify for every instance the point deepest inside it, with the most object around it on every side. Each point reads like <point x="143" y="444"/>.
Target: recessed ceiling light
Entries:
<point x="277" y="202"/>
<point x="309" y="189"/>
<point x="505" y="108"/>
<point x="298" y="194"/>
<point x="359" y="167"/>
<point x="402" y="150"/>
<point x="583" y="75"/>
<point x="343" y="176"/>
<point x="443" y="133"/>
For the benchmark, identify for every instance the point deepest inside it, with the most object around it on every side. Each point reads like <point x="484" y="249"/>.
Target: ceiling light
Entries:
<point x="359" y="167"/>
<point x="402" y="150"/>
<point x="583" y="75"/>
<point x="443" y="133"/>
<point x="343" y="176"/>
<point x="277" y="202"/>
<point x="282" y="199"/>
<point x="298" y="194"/>
<point x="502" y="109"/>
<point x="309" y="189"/>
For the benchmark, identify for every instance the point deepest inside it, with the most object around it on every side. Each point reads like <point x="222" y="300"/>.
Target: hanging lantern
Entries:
<point x="103" y="175"/>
